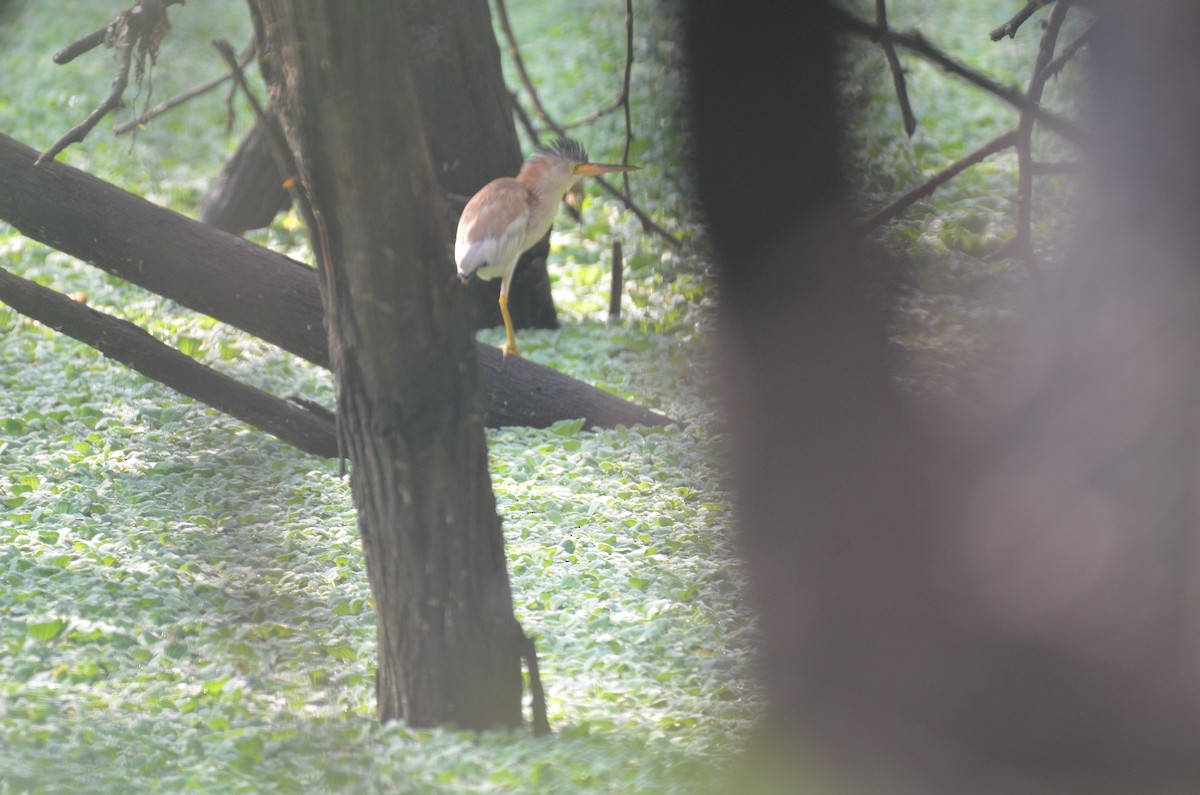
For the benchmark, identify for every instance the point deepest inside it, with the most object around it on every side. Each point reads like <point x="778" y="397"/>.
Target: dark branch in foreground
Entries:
<point x="133" y="346"/>
<point x="1011" y="27"/>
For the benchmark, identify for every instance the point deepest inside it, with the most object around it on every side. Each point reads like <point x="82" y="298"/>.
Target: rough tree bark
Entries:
<point x="410" y="408"/>
<point x="473" y="140"/>
<point x="1012" y="608"/>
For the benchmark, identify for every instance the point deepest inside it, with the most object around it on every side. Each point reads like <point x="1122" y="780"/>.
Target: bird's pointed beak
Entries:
<point x="592" y="169"/>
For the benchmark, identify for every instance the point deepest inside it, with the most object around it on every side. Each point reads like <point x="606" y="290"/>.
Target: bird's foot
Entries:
<point x="509" y="349"/>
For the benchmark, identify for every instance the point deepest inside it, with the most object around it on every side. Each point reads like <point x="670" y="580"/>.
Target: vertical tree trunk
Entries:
<point x="409" y="401"/>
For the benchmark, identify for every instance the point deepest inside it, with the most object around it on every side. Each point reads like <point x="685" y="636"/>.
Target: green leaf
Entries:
<point x="45" y="631"/>
<point x="215" y="686"/>
<point x="567" y="427"/>
<point x="190" y="346"/>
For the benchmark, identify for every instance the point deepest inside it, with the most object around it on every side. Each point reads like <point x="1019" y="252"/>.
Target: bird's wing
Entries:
<point x="490" y="229"/>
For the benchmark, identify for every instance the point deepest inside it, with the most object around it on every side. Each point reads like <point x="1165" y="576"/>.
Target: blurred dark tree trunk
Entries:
<point x="1009" y="607"/>
<point x="467" y="116"/>
<point x="410" y="407"/>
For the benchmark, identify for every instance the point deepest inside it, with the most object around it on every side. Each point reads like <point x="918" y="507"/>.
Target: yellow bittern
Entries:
<point x="509" y="215"/>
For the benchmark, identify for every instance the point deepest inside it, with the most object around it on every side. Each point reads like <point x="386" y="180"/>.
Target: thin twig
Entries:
<point x="618" y="278"/>
<point x="280" y="151"/>
<point x="648" y="223"/>
<point x="625" y="85"/>
<point x="1022" y="242"/>
<point x="901" y="85"/>
<point x="174" y="102"/>
<point x="1011" y="27"/>
<point x="622" y="97"/>
<point x="515" y="52"/>
<point x="930" y="185"/>
<point x="917" y="43"/>
<point x="1068" y="52"/>
<point x="142" y="26"/>
<point x="114" y="100"/>
<point x="541" y="722"/>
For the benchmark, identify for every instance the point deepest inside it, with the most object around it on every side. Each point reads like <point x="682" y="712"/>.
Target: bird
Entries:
<point x="510" y="214"/>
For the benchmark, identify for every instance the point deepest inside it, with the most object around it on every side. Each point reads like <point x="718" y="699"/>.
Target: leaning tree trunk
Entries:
<point x="410" y="407"/>
<point x="472" y="141"/>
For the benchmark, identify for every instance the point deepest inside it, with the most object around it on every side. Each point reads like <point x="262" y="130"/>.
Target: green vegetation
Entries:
<point x="183" y="602"/>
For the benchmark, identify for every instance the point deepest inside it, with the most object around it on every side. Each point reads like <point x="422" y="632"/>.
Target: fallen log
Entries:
<point x="132" y="345"/>
<point x="247" y="286"/>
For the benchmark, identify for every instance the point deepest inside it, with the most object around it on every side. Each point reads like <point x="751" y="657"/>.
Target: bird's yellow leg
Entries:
<point x="510" y="345"/>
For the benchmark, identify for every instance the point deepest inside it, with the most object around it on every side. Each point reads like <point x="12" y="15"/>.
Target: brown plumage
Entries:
<point x="509" y="215"/>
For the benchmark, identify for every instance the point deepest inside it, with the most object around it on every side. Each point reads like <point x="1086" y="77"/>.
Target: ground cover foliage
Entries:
<point x="183" y="604"/>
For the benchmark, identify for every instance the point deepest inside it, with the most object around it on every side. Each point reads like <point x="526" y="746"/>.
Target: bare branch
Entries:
<point x="917" y="43"/>
<point x="79" y="47"/>
<point x="889" y="50"/>
<point x="1010" y="27"/>
<point x="930" y="185"/>
<point x="1069" y="52"/>
<point x="625" y="91"/>
<point x="196" y="91"/>
<point x="142" y="27"/>
<point x="111" y="102"/>
<point x="1022" y="242"/>
<point x="515" y="52"/>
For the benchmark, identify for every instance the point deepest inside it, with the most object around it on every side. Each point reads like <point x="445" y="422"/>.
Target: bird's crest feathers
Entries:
<point x="566" y="148"/>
